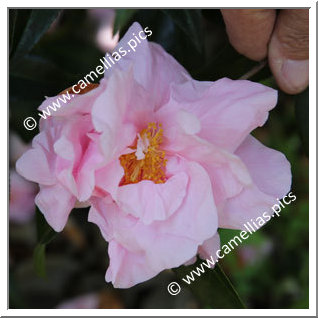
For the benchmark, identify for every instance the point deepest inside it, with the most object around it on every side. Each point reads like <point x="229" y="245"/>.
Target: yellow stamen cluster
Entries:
<point x="152" y="166"/>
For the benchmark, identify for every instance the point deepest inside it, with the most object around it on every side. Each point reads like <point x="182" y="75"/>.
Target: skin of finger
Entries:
<point x="288" y="50"/>
<point x="249" y="30"/>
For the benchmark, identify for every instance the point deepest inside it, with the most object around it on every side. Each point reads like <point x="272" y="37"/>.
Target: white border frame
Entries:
<point x="312" y="165"/>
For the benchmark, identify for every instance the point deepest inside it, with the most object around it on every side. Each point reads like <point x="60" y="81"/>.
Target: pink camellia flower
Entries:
<point x="167" y="160"/>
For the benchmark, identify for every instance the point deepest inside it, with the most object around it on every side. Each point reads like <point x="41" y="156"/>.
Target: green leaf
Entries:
<point x="45" y="235"/>
<point x="46" y="71"/>
<point x="225" y="63"/>
<point x="39" y="260"/>
<point x="213" y="288"/>
<point x="122" y="18"/>
<point x="190" y="22"/>
<point x="27" y="28"/>
<point x="302" y="115"/>
<point x="18" y="19"/>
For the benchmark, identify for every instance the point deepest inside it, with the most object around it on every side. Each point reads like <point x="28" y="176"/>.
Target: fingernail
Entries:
<point x="295" y="75"/>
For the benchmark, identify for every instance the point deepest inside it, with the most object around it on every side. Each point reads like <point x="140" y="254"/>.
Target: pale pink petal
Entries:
<point x="114" y="223"/>
<point x="38" y="163"/>
<point x="228" y="173"/>
<point x="154" y="245"/>
<point x="50" y="131"/>
<point x="197" y="149"/>
<point x="120" y="259"/>
<point x="151" y="254"/>
<point x="249" y="204"/>
<point x="165" y="199"/>
<point x="177" y="124"/>
<point x="210" y="247"/>
<point x="109" y="177"/>
<point x="228" y="110"/>
<point x="225" y="183"/>
<point x="271" y="174"/>
<point x="270" y="170"/>
<point x="153" y="68"/>
<point x="197" y="204"/>
<point x="191" y="261"/>
<point x="34" y="166"/>
<point x="108" y="115"/>
<point x="56" y="203"/>
<point x="74" y="103"/>
<point x="85" y="177"/>
<point x="78" y="157"/>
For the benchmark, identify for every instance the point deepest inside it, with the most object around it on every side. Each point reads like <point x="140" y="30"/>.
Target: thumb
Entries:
<point x="249" y="30"/>
<point x="288" y="50"/>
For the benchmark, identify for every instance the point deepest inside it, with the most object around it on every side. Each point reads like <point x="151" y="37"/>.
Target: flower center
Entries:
<point x="148" y="161"/>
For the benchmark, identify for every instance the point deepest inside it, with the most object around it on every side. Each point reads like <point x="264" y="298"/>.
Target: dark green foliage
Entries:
<point x="213" y="288"/>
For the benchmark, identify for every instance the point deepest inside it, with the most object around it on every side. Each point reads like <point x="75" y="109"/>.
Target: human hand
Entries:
<point x="281" y="36"/>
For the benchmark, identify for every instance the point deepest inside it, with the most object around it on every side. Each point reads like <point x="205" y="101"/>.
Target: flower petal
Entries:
<point x="118" y="112"/>
<point x="270" y="170"/>
<point x="109" y="177"/>
<point x="165" y="198"/>
<point x="249" y="204"/>
<point x="56" y="203"/>
<point x="153" y="68"/>
<point x="154" y="245"/>
<point x="228" y="110"/>
<point x="34" y="166"/>
<point x="74" y="103"/>
<point x="210" y="247"/>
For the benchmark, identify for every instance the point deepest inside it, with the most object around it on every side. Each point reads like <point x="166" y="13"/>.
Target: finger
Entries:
<point x="249" y="30"/>
<point x="288" y="50"/>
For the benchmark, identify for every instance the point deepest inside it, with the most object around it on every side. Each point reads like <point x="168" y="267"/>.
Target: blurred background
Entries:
<point x="52" y="49"/>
